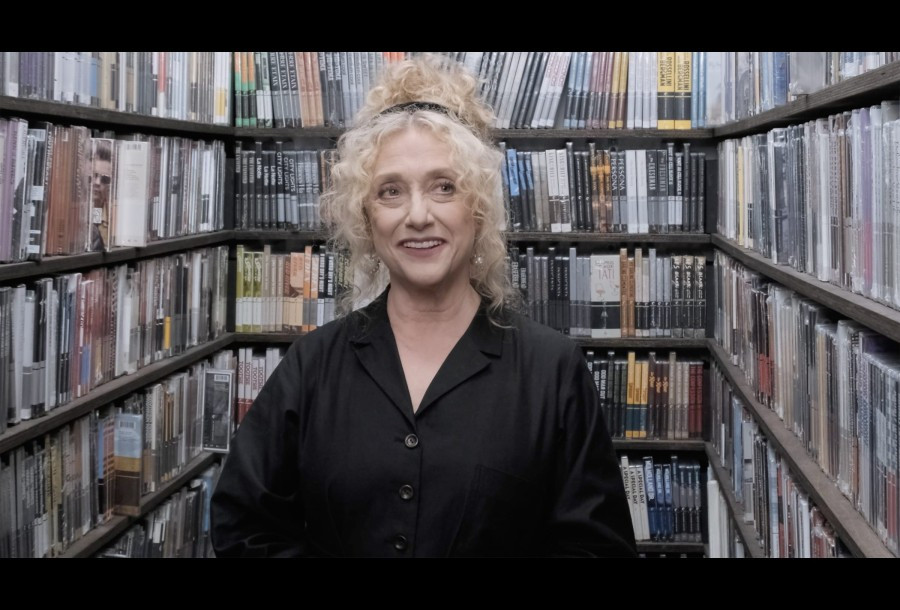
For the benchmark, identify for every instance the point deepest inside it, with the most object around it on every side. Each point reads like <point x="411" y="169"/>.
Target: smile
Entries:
<point x="422" y="245"/>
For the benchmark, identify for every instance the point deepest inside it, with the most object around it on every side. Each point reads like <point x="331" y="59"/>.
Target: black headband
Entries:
<point x="413" y="106"/>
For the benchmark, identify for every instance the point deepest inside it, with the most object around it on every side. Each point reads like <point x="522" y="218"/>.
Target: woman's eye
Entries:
<point x="446" y="188"/>
<point x="388" y="191"/>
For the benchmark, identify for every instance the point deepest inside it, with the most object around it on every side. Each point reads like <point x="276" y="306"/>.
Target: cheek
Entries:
<point x="381" y="224"/>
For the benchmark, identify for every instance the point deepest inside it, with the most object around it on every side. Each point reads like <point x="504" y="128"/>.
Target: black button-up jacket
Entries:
<point x="507" y="454"/>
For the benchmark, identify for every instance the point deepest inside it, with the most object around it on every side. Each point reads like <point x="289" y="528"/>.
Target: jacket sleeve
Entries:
<point x="590" y="515"/>
<point x="256" y="508"/>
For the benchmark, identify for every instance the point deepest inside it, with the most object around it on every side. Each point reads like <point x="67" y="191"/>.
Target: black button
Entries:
<point x="406" y="492"/>
<point x="400" y="542"/>
<point x="411" y="441"/>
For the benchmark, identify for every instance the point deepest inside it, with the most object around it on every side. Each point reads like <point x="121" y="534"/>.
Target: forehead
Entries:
<point x="412" y="150"/>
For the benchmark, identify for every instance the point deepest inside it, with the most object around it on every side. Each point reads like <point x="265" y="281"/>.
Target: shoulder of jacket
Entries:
<point x="538" y="337"/>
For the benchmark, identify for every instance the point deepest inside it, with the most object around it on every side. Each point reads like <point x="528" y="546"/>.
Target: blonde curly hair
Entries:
<point x="465" y="129"/>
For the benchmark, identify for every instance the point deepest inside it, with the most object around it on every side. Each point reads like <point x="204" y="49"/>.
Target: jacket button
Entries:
<point x="406" y="492"/>
<point x="400" y="542"/>
<point x="411" y="441"/>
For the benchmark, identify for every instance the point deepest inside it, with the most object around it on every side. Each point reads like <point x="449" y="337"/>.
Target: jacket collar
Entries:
<point x="375" y="346"/>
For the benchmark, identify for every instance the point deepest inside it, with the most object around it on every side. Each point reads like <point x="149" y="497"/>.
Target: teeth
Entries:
<point x="422" y="244"/>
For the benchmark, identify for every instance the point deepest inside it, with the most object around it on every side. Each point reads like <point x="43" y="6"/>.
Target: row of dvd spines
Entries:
<point x="178" y="528"/>
<point x="64" y="191"/>
<point x="591" y="90"/>
<point x="308" y="89"/>
<point x="560" y="191"/>
<point x="190" y="86"/>
<point x="526" y="89"/>
<point x="613" y="295"/>
<point x="58" y="487"/>
<point x="605" y="190"/>
<point x="822" y="197"/>
<point x="295" y="291"/>
<point x="62" y="336"/>
<point x="278" y="188"/>
<point x="665" y="498"/>
<point x="834" y="383"/>
<point x="652" y="398"/>
<point x="787" y="523"/>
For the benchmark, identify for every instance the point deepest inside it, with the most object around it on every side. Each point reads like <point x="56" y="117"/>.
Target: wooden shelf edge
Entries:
<point x="627" y="444"/>
<point x="650" y="546"/>
<point x="241" y="235"/>
<point x="497" y="134"/>
<point x="605" y="134"/>
<point x="267" y="338"/>
<point x="613" y="238"/>
<point x="90" y="260"/>
<point x="850" y="525"/>
<point x="641" y="343"/>
<point x="513" y="236"/>
<point x="113" y="118"/>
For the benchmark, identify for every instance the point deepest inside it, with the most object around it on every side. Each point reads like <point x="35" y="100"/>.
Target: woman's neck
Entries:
<point x="424" y="309"/>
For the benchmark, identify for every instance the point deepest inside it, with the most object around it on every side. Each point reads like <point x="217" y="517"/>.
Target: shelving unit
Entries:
<point x="869" y="88"/>
<point x="15" y="273"/>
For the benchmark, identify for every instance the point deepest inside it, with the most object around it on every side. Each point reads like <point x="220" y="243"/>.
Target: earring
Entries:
<point x="372" y="263"/>
<point x="477" y="260"/>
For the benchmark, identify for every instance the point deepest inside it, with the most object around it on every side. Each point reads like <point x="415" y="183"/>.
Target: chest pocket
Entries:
<point x="500" y="517"/>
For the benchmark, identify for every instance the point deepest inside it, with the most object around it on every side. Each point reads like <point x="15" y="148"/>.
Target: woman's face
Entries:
<point x="422" y="228"/>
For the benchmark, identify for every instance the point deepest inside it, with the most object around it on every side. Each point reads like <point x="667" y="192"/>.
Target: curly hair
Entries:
<point x="465" y="129"/>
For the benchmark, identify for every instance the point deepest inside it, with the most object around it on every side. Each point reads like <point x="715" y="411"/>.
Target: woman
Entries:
<point x="435" y="421"/>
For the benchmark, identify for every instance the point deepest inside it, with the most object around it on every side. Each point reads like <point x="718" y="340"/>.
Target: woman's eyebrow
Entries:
<point x="433" y="173"/>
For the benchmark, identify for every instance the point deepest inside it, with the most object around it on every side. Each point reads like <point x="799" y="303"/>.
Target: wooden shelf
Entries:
<point x="606" y="134"/>
<point x="54" y="111"/>
<point x="628" y="444"/>
<point x="752" y="547"/>
<point x="878" y="317"/>
<point x="242" y="235"/>
<point x="865" y="89"/>
<point x="497" y="134"/>
<point x="106" y="533"/>
<point x="671" y="547"/>
<point x="617" y="239"/>
<point x="267" y="338"/>
<point x="612" y="343"/>
<point x="106" y="393"/>
<point x="642" y="343"/>
<point x="287" y="133"/>
<point x="89" y="260"/>
<point x="849" y="524"/>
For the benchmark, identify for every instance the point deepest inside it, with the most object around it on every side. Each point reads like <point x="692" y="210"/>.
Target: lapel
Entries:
<point x="376" y="348"/>
<point x="471" y="354"/>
